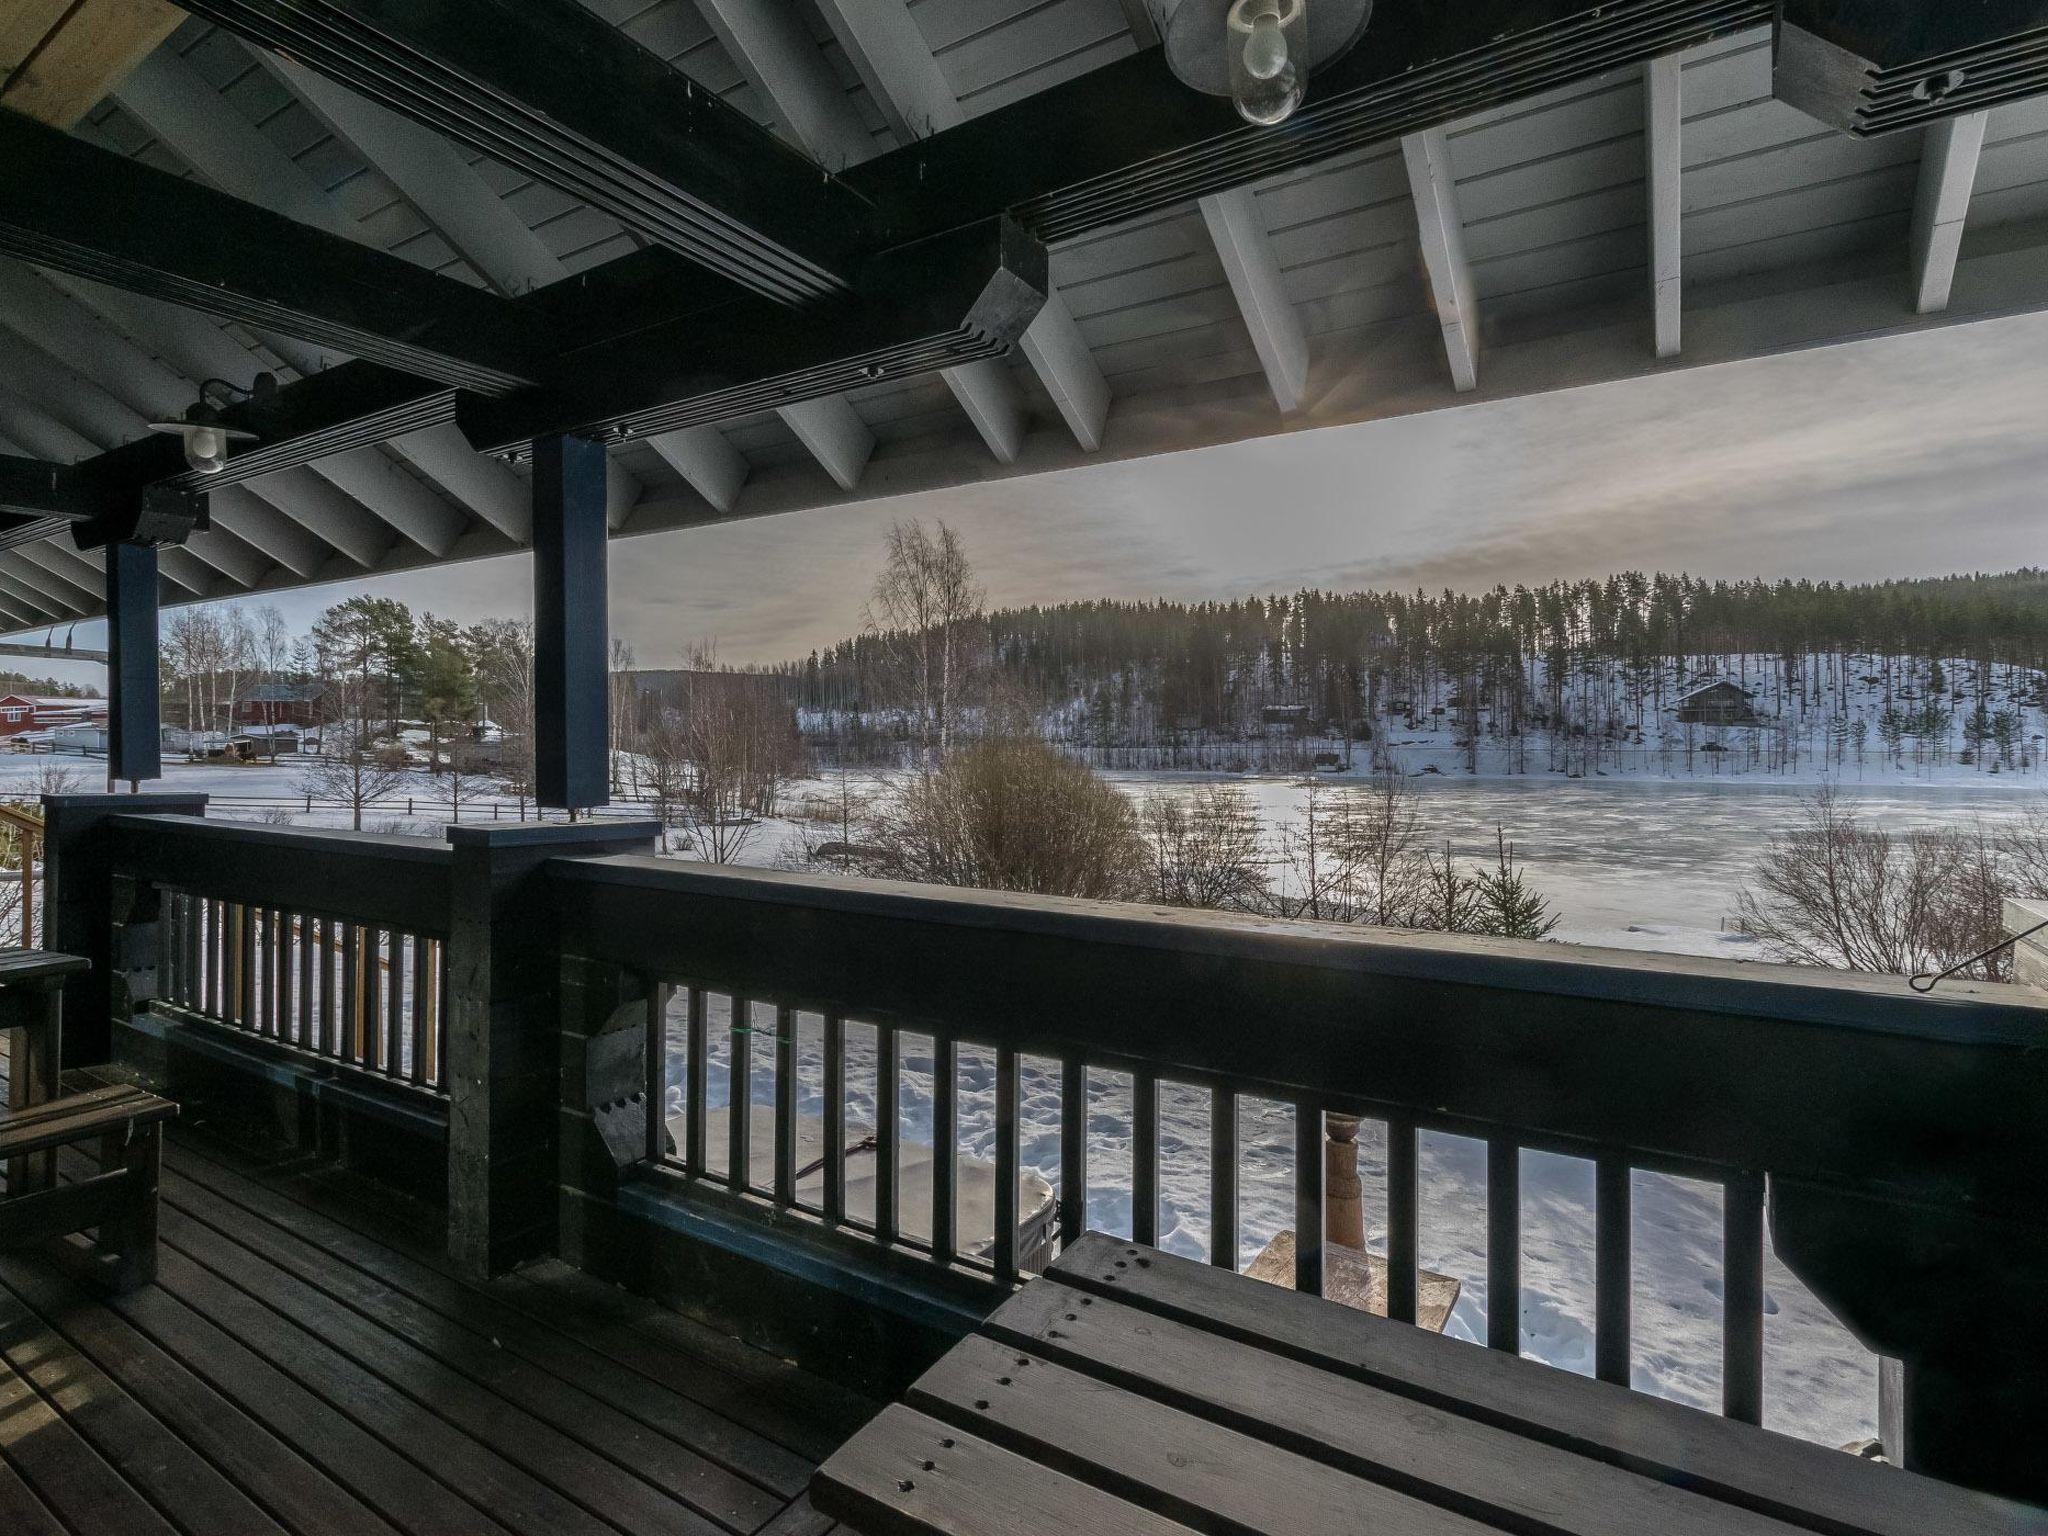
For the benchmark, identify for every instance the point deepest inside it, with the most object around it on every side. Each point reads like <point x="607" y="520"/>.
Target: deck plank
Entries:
<point x="243" y="1444"/>
<point x="21" y="1512"/>
<point x="766" y="1396"/>
<point x="541" y="1482"/>
<point x="128" y="1437"/>
<point x="307" y="1363"/>
<point x="63" y="1469"/>
<point x="666" y="1464"/>
<point x="389" y="1285"/>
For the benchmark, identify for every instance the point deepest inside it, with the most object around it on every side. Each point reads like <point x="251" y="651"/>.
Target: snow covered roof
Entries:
<point x="1713" y="685"/>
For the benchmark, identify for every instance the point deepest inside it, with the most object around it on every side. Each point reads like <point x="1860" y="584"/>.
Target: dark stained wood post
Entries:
<point x="134" y="737"/>
<point x="571" y="705"/>
<point x="79" y="913"/>
<point x="503" y="1034"/>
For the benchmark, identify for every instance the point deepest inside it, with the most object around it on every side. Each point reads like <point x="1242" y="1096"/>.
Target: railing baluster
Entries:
<point x="1504" y="1244"/>
<point x="945" y="1144"/>
<point x="308" y="948"/>
<point x="1308" y="1199"/>
<point x="887" y="1123"/>
<point x="834" y="1201"/>
<point x="785" y="1106"/>
<point x="421" y="1011"/>
<point x="1401" y="1221"/>
<point x="330" y="1017"/>
<point x="394" y="1011"/>
<point x="174" y="943"/>
<point x="190" y="996"/>
<point x="1612" y="1220"/>
<point x="1145" y="1158"/>
<point x="1742" y="1298"/>
<point x="656" y="1086"/>
<point x="1005" y="1252"/>
<point x="1223" y="1177"/>
<point x="696" y="1056"/>
<point x="245" y="976"/>
<point x="281" y="960"/>
<point x="267" y="949"/>
<point x="739" y="1111"/>
<point x="212" y="993"/>
<point x="1073" y="1150"/>
<point x="351" y="994"/>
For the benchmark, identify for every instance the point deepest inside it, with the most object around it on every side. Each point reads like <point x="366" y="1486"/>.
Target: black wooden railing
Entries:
<point x="585" y="1012"/>
<point x="1737" y="1075"/>
<point x="326" y="944"/>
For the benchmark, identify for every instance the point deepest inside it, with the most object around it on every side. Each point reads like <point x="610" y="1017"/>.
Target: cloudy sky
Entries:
<point x="1910" y="455"/>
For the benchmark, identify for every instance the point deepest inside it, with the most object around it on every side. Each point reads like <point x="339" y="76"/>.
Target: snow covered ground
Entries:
<point x="1650" y="864"/>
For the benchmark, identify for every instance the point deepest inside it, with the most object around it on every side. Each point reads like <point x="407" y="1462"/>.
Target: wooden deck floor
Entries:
<point x="301" y="1366"/>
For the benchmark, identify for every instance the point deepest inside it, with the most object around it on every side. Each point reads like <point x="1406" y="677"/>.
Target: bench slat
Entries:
<point x="1757" y="1469"/>
<point x="1160" y="1457"/>
<point x="79" y="1118"/>
<point x="907" y="1474"/>
<point x="1490" y="1474"/>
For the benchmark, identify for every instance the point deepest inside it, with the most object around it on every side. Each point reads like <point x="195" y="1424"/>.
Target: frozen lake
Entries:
<point x="1644" y="863"/>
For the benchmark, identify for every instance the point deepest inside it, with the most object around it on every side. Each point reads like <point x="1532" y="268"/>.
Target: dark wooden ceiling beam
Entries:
<point x="37" y="488"/>
<point x="548" y="87"/>
<point x="958" y="298"/>
<point x="74" y="207"/>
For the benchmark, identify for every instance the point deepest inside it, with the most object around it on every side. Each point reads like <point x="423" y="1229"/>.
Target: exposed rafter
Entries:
<point x="71" y="206"/>
<point x="1435" y="190"/>
<point x="783" y="64"/>
<point x="547" y="87"/>
<point x="432" y="175"/>
<point x="1948" y="174"/>
<point x="1664" y="129"/>
<point x="701" y="455"/>
<point x="836" y="436"/>
<point x="478" y="225"/>
<point x="1239" y="234"/>
<point x="1054" y="161"/>
<point x="890" y="55"/>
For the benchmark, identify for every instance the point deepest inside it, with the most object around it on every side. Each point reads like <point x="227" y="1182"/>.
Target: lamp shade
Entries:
<point x="1193" y="33"/>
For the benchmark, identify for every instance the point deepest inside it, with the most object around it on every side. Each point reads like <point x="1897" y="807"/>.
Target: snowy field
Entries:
<point x="1626" y="861"/>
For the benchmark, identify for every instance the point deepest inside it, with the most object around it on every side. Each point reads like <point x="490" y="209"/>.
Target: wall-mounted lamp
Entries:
<point x="205" y="435"/>
<point x="1260" y="53"/>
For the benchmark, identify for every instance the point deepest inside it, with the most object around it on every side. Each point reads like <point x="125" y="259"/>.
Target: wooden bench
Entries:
<point x="119" y="1202"/>
<point x="1129" y="1391"/>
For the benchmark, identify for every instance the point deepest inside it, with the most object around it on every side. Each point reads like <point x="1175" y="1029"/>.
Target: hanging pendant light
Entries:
<point x="205" y="435"/>
<point x="1260" y="53"/>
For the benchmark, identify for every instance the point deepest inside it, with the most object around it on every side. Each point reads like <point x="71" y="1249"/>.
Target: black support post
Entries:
<point x="134" y="737"/>
<point x="571" y="703"/>
<point x="504" y="1035"/>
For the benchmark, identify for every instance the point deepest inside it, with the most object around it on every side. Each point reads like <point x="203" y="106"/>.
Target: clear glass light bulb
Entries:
<point x="1266" y="42"/>
<point x="206" y="450"/>
<point x="1265" y="52"/>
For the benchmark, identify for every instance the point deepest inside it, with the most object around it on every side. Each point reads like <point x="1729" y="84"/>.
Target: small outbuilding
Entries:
<point x="1717" y="703"/>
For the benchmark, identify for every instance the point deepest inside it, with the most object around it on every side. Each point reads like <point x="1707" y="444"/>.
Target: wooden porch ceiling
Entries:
<point x="1642" y="215"/>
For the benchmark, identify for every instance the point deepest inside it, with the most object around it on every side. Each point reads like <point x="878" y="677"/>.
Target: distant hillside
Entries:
<point x="1573" y="677"/>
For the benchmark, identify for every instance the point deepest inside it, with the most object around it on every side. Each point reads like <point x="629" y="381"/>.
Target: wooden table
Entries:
<point x="32" y="1018"/>
<point x="1134" y="1393"/>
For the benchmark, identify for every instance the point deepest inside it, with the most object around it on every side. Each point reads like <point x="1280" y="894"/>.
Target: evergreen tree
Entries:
<point x="1507" y="905"/>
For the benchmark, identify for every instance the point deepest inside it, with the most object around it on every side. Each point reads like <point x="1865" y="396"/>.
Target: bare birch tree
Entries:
<point x="926" y="598"/>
